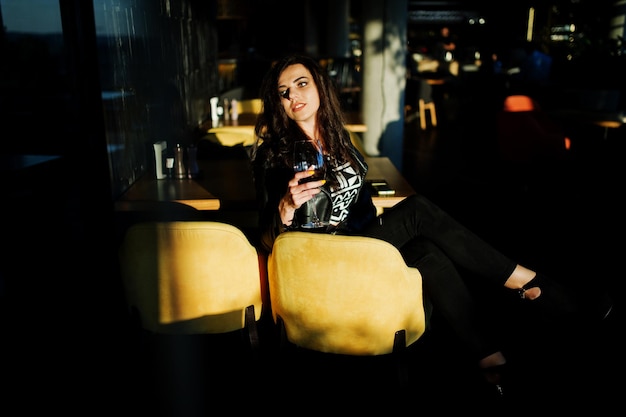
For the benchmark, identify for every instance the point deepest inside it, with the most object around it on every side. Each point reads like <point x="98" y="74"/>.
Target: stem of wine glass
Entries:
<point x="316" y="220"/>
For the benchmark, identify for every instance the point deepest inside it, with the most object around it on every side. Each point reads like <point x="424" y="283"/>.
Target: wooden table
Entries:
<point x="245" y="119"/>
<point x="149" y="193"/>
<point x="381" y="167"/>
<point x="602" y="119"/>
<point x="354" y="122"/>
<point x="608" y="124"/>
<point x="228" y="185"/>
<point x="221" y="185"/>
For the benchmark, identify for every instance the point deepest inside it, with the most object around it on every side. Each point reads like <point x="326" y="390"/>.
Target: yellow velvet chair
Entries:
<point x="251" y="105"/>
<point x="345" y="295"/>
<point x="192" y="277"/>
<point x="234" y="135"/>
<point x="239" y="135"/>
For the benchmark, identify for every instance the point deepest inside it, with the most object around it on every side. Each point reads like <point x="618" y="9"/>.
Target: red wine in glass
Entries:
<point x="307" y="156"/>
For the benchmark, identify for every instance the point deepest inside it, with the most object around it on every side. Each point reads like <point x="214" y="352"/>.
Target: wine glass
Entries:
<point x="307" y="156"/>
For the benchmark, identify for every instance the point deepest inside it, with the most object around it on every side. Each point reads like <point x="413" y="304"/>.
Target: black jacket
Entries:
<point x="271" y="185"/>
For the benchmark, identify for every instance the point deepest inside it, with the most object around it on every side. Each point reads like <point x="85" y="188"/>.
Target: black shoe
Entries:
<point x="602" y="307"/>
<point x="557" y="300"/>
<point x="495" y="377"/>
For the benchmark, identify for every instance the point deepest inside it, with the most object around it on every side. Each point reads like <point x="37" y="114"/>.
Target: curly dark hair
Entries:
<point x="277" y="132"/>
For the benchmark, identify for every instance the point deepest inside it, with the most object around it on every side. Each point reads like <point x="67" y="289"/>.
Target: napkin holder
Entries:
<point x="159" y="149"/>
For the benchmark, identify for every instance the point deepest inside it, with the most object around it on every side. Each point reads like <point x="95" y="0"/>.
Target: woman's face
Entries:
<point x="298" y="93"/>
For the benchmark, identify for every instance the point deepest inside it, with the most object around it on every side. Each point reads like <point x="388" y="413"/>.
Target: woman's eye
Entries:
<point x="284" y="94"/>
<point x="302" y="84"/>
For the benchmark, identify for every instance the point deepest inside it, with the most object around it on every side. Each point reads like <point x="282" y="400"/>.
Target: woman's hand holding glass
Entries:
<point x="310" y="173"/>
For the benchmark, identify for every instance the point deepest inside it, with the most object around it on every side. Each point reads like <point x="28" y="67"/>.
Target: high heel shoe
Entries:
<point x="495" y="377"/>
<point x="558" y="300"/>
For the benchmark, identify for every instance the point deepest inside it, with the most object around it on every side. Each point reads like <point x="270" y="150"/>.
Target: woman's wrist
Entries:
<point x="286" y="213"/>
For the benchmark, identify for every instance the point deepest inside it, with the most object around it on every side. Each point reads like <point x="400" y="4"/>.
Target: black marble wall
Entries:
<point x="158" y="69"/>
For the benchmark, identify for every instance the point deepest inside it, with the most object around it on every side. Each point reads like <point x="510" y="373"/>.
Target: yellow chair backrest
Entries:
<point x="190" y="277"/>
<point x="344" y="294"/>
<point x="234" y="135"/>
<point x="357" y="142"/>
<point x="252" y="105"/>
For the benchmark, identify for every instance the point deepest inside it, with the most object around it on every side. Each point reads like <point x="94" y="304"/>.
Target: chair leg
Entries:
<point x="400" y="356"/>
<point x="283" y="343"/>
<point x="422" y="112"/>
<point x="433" y="114"/>
<point x="423" y="106"/>
<point x="252" y="328"/>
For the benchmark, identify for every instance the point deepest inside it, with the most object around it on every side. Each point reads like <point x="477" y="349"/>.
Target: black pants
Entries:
<point x="432" y="241"/>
